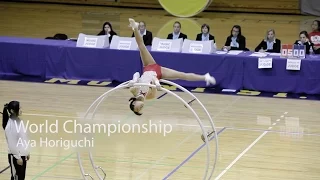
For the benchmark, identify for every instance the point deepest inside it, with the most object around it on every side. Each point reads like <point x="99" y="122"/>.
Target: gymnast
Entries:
<point x="152" y="72"/>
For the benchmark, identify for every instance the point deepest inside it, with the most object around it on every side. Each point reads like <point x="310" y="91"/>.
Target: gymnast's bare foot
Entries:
<point x="133" y="24"/>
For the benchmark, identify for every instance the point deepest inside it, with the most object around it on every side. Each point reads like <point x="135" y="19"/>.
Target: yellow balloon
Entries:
<point x="185" y="8"/>
<point x="188" y="26"/>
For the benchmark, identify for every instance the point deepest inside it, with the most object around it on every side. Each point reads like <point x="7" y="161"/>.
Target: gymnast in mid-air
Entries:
<point x="152" y="72"/>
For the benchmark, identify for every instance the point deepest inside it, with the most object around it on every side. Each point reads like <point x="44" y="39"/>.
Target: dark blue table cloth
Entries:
<point x="39" y="59"/>
<point x="278" y="79"/>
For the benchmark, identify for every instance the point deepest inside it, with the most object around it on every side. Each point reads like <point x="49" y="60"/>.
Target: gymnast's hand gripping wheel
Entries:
<point x="204" y="137"/>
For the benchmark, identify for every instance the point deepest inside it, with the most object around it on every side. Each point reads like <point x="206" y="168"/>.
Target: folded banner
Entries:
<point x="91" y="41"/>
<point x="311" y="7"/>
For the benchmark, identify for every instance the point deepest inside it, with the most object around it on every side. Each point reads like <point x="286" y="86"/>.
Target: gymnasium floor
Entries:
<point x="259" y="138"/>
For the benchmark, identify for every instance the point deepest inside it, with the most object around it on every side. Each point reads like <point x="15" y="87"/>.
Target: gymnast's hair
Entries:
<point x="9" y="109"/>
<point x="132" y="106"/>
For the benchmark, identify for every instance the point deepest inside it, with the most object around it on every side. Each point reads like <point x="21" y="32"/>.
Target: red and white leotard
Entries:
<point x="155" y="68"/>
<point x="150" y="72"/>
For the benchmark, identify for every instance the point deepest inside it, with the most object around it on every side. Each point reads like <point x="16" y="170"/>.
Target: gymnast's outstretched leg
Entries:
<point x="171" y="74"/>
<point x="167" y="73"/>
<point x="146" y="57"/>
<point x="152" y="72"/>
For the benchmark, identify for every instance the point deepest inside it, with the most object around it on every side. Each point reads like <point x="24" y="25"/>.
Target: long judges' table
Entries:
<point x="38" y="59"/>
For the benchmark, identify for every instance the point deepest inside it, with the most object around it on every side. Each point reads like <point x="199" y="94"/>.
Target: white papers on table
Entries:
<point x="274" y="54"/>
<point x="258" y="54"/>
<point x="221" y="52"/>
<point x="234" y="52"/>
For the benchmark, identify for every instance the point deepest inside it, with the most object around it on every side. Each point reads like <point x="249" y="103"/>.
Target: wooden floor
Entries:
<point x="259" y="138"/>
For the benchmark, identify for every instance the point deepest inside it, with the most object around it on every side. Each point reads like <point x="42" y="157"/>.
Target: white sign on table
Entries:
<point x="92" y="41"/>
<point x="198" y="47"/>
<point x="265" y="63"/>
<point x="166" y="45"/>
<point x="123" y="43"/>
<point x="293" y="64"/>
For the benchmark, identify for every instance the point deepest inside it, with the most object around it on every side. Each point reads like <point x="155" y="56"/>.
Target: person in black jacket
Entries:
<point x="305" y="40"/>
<point x="236" y="41"/>
<point x="176" y="32"/>
<point x="270" y="43"/>
<point x="107" y="30"/>
<point x="205" y="34"/>
<point x="147" y="35"/>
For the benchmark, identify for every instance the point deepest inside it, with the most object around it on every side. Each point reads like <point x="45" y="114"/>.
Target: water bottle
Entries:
<point x="311" y="50"/>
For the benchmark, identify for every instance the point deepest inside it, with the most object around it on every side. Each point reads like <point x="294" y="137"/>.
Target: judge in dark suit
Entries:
<point x="107" y="30"/>
<point x="305" y="40"/>
<point x="176" y="32"/>
<point x="205" y="34"/>
<point x="236" y="41"/>
<point x="146" y="35"/>
<point x="270" y="43"/>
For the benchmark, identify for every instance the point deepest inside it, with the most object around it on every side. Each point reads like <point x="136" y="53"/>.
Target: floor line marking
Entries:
<point x="4" y="169"/>
<point x="101" y="159"/>
<point x="192" y="134"/>
<point x="191" y="155"/>
<point x="53" y="166"/>
<point x="273" y="131"/>
<point x="243" y="152"/>
<point x="240" y="155"/>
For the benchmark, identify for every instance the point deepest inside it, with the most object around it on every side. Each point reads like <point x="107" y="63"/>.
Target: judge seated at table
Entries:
<point x="305" y="40"/>
<point x="107" y="30"/>
<point x="146" y="35"/>
<point x="205" y="34"/>
<point x="177" y="34"/>
<point x="236" y="41"/>
<point x="270" y="43"/>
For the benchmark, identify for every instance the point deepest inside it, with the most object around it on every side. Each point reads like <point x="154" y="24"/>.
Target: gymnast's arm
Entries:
<point x="134" y="89"/>
<point x="157" y="83"/>
<point x="153" y="91"/>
